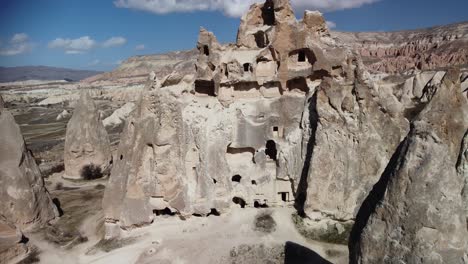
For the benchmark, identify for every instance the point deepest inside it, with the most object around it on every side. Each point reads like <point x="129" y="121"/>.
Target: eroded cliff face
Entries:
<point x="25" y="202"/>
<point x="398" y="52"/>
<point x="415" y="214"/>
<point x="286" y="116"/>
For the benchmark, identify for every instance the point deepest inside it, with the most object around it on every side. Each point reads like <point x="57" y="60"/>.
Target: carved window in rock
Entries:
<point x="268" y="13"/>
<point x="261" y="39"/>
<point x="206" y="50"/>
<point x="241" y="202"/>
<point x="236" y="178"/>
<point x="284" y="196"/>
<point x="247" y="68"/>
<point x="298" y="84"/>
<point x="302" y="56"/>
<point x="271" y="150"/>
<point x="203" y="87"/>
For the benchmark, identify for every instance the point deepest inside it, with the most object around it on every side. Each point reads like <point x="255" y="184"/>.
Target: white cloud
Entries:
<point x="114" y="41"/>
<point x="233" y="8"/>
<point x="18" y="44"/>
<point x="73" y="46"/>
<point x="20" y="37"/>
<point x="331" y="24"/>
<point x="140" y="47"/>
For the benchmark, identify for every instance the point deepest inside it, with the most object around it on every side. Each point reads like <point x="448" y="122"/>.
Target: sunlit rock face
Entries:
<point x="415" y="214"/>
<point x="25" y="200"/>
<point x="237" y="132"/>
<point x="87" y="146"/>
<point x="285" y="116"/>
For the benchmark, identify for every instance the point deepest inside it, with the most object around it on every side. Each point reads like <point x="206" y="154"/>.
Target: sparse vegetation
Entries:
<point x="330" y="234"/>
<point x="91" y="172"/>
<point x="264" y="222"/>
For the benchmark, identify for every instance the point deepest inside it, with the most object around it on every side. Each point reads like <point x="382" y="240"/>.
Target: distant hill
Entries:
<point x="136" y="69"/>
<point x="24" y="73"/>
<point x="400" y="51"/>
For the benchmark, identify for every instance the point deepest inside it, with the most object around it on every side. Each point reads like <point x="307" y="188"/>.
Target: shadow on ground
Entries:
<point x="297" y="254"/>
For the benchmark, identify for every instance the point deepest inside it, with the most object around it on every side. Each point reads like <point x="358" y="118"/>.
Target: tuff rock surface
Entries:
<point x="25" y="202"/>
<point x="241" y="131"/>
<point x="87" y="146"/>
<point x="287" y="115"/>
<point x="405" y="51"/>
<point x="416" y="212"/>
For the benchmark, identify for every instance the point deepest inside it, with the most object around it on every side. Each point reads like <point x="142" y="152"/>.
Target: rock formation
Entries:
<point x="287" y="115"/>
<point x="63" y="115"/>
<point x="236" y="133"/>
<point x="119" y="116"/>
<point x="25" y="202"/>
<point x="425" y="49"/>
<point x="415" y="213"/>
<point x="87" y="147"/>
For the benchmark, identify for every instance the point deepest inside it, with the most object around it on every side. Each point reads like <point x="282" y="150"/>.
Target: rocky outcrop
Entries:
<point x="64" y="115"/>
<point x="415" y="213"/>
<point x="87" y="146"/>
<point x="398" y="52"/>
<point x="119" y="116"/>
<point x="286" y="116"/>
<point x="134" y="70"/>
<point x="25" y="200"/>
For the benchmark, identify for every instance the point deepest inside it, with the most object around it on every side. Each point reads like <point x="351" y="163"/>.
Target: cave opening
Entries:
<point x="284" y="196"/>
<point x="268" y="13"/>
<point x="299" y="84"/>
<point x="247" y="67"/>
<point x="261" y="39"/>
<point x="271" y="150"/>
<point x="205" y="87"/>
<point x="206" y="50"/>
<point x="166" y="211"/>
<point x="241" y="202"/>
<point x="254" y="182"/>
<point x="301" y="56"/>
<point x="257" y="204"/>
<point x="236" y="178"/>
<point x="214" y="212"/>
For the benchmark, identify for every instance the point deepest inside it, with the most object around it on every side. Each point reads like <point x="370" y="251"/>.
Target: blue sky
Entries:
<point x="98" y="34"/>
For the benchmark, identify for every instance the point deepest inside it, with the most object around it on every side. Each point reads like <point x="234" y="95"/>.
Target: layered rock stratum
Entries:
<point x="401" y="51"/>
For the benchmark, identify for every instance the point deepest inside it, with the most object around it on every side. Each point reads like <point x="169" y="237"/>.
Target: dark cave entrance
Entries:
<point x="257" y="204"/>
<point x="261" y="39"/>
<point x="166" y="211"/>
<point x="271" y="150"/>
<point x="236" y="178"/>
<point x="241" y="202"/>
<point x="268" y="13"/>
<point x="205" y="87"/>
<point x="284" y="196"/>
<point x="206" y="50"/>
